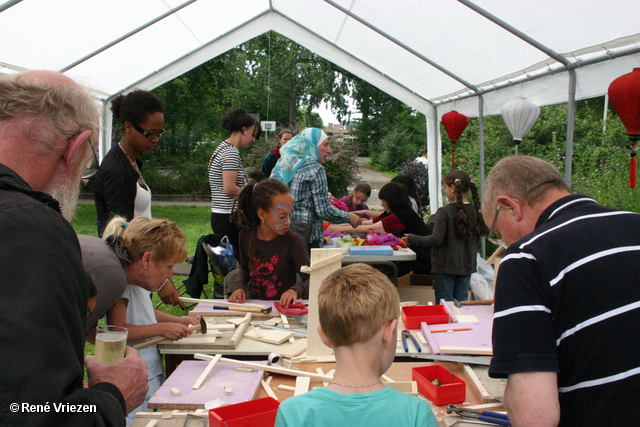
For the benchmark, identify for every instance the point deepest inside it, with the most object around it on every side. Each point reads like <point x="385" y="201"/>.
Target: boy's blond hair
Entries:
<point x="354" y="303"/>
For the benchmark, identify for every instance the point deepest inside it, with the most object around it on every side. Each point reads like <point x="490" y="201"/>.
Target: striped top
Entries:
<point x="568" y="301"/>
<point x="225" y="157"/>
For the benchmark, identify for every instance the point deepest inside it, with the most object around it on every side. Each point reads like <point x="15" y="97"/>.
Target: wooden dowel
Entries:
<point x="221" y="302"/>
<point x="203" y="375"/>
<point x="159" y="339"/>
<point x="268" y="368"/>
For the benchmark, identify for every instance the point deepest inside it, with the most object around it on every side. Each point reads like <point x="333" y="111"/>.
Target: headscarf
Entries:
<point x="302" y="147"/>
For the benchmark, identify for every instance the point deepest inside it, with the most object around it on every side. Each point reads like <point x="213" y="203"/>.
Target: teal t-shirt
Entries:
<point x="323" y="407"/>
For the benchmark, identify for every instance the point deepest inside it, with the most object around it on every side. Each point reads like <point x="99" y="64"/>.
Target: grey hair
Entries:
<point x="523" y="177"/>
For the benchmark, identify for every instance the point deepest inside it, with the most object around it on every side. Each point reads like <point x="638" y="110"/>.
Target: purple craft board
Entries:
<point x="244" y="385"/>
<point x="476" y="341"/>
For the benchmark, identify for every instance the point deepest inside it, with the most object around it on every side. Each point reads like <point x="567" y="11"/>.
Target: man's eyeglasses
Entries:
<point x="94" y="168"/>
<point x="147" y="134"/>
<point x="494" y="238"/>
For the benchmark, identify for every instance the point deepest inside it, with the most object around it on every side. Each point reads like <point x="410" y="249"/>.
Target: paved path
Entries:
<point x="373" y="177"/>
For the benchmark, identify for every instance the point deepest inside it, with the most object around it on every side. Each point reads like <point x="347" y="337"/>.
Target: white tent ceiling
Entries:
<point x="434" y="55"/>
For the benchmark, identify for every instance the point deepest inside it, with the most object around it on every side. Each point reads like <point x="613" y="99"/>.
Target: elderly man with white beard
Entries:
<point x="48" y="125"/>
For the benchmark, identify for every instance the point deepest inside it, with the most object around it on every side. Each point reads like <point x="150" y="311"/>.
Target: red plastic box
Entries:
<point x="451" y="389"/>
<point x="412" y="316"/>
<point x="252" y="413"/>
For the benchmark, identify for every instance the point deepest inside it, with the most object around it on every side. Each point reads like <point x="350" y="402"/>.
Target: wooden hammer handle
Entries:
<point x="479" y="302"/>
<point x="159" y="339"/>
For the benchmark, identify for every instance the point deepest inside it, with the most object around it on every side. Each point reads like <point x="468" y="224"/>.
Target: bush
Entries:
<point x="395" y="148"/>
<point x="341" y="167"/>
<point x="420" y="174"/>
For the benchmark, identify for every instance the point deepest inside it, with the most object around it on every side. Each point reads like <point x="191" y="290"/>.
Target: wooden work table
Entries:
<point x="399" y="371"/>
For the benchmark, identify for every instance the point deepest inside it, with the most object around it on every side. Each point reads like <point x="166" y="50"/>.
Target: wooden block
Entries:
<point x="175" y="391"/>
<point x="302" y="385"/>
<point x="475" y="383"/>
<point x="268" y="380"/>
<point x="320" y="371"/>
<point x="269" y="336"/>
<point x="294" y="349"/>
<point x="331" y="258"/>
<point x="286" y="387"/>
<point x="228" y="391"/>
<point x="386" y="379"/>
<point x="152" y="423"/>
<point x="267" y="388"/>
<point x="237" y="335"/>
<point x="220" y="327"/>
<point x="166" y="415"/>
<point x="258" y="332"/>
<point x="206" y="371"/>
<point x="242" y="369"/>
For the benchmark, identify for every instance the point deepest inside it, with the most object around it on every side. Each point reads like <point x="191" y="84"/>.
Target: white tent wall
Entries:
<point x="434" y="55"/>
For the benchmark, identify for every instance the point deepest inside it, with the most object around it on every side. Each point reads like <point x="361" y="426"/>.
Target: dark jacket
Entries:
<point x="449" y="253"/>
<point x="43" y="307"/>
<point x="115" y="187"/>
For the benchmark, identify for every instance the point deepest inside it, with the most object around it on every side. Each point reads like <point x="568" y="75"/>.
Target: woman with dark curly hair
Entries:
<point x="226" y="174"/>
<point x="119" y="187"/>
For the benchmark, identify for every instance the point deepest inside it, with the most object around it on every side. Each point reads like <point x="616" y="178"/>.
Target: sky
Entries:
<point x="328" y="117"/>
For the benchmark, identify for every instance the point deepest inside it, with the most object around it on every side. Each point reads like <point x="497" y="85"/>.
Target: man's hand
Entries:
<point x="170" y="295"/>
<point x="129" y="375"/>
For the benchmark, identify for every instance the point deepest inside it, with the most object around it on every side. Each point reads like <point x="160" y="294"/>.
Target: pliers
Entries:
<point x="406" y="334"/>
<point x="486" y="416"/>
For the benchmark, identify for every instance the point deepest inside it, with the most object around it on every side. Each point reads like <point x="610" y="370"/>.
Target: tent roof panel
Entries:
<point x="437" y="47"/>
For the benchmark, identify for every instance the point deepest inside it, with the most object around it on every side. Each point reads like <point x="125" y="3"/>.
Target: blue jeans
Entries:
<point x="450" y="286"/>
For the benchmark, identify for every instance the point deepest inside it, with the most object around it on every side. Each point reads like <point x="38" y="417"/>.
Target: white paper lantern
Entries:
<point x="519" y="115"/>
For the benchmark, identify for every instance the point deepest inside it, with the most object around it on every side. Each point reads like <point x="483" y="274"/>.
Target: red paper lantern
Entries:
<point x="624" y="93"/>
<point x="454" y="123"/>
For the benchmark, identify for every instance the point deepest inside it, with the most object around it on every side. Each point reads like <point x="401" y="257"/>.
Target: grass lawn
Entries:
<point x="194" y="221"/>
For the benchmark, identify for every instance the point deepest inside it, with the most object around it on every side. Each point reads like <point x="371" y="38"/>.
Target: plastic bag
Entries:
<point x="225" y="255"/>
<point x="482" y="281"/>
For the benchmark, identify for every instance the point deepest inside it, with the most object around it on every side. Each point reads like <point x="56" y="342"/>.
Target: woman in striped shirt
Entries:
<point x="226" y="175"/>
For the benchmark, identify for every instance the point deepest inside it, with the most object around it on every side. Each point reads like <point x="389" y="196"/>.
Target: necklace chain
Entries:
<point x="134" y="165"/>
<point x="356" y="386"/>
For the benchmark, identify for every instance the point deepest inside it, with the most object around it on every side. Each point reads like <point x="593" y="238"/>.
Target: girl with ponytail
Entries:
<point x="456" y="230"/>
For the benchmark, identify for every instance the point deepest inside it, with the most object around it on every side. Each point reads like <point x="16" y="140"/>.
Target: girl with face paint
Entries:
<point x="270" y="255"/>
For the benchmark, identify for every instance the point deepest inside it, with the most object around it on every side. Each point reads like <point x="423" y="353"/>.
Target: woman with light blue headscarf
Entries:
<point x="300" y="168"/>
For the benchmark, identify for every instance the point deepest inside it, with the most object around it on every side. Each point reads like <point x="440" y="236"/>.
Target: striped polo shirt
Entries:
<point x="568" y="301"/>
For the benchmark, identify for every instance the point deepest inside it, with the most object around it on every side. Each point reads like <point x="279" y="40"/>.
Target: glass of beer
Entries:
<point x="110" y="343"/>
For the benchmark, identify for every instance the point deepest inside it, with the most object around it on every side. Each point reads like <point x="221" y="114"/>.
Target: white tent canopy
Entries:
<point x="434" y="55"/>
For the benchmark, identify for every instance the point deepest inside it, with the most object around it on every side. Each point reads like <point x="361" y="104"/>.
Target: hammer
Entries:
<point x="244" y="309"/>
<point x="202" y="327"/>
<point x="479" y="302"/>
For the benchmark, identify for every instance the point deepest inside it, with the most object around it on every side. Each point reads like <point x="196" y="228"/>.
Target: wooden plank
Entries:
<point x="237" y="336"/>
<point x="477" y="386"/>
<point x="267" y="388"/>
<point x="269" y="368"/>
<point x="316" y="265"/>
<point x="285" y="322"/>
<point x="315" y="347"/>
<point x="269" y="336"/>
<point x="294" y="349"/>
<point x="206" y="371"/>
<point x="302" y="385"/>
<point x="224" y="303"/>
